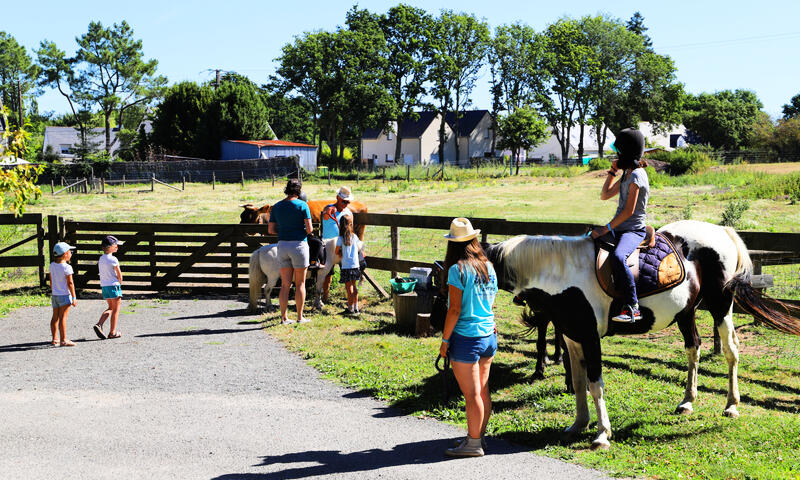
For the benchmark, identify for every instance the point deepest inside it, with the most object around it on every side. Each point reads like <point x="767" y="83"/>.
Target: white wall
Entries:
<point x="480" y="140"/>
<point x="430" y="142"/>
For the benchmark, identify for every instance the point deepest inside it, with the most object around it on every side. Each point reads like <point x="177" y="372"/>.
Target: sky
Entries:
<point x="716" y="44"/>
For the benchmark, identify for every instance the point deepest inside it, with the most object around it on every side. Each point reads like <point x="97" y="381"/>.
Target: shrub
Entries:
<point x="684" y="161"/>
<point x="732" y="216"/>
<point x="599" y="164"/>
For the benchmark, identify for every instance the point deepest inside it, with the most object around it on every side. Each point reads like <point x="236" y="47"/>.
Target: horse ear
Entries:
<point x="246" y="205"/>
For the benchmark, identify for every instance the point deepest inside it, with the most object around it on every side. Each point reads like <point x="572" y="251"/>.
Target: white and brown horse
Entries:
<point x="557" y="275"/>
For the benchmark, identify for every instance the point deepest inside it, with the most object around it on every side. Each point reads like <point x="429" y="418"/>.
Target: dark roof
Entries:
<point x="408" y="129"/>
<point x="273" y="143"/>
<point x="466" y="122"/>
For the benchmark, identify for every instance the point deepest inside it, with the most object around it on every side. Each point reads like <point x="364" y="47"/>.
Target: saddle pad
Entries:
<point x="660" y="267"/>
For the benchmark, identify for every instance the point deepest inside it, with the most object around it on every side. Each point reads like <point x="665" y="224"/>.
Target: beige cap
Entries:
<point x="461" y="230"/>
<point x="345" y="194"/>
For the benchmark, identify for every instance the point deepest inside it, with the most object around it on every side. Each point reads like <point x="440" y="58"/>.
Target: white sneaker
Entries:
<point x="469" y="447"/>
<point x="288" y="322"/>
<point x="304" y="320"/>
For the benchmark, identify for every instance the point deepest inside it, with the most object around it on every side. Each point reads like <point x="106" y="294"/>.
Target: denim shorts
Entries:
<point x="470" y="349"/>
<point x="61" y="300"/>
<point x="112" y="291"/>
<point x="293" y="254"/>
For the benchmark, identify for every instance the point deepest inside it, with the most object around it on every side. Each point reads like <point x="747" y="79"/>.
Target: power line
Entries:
<point x="734" y="41"/>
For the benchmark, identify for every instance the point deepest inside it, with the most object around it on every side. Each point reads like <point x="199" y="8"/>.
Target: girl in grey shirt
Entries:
<point x="627" y="228"/>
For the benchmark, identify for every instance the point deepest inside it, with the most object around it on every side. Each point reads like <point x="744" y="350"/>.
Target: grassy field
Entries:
<point x="644" y="375"/>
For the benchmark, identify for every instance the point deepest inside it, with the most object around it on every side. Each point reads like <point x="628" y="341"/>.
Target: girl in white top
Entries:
<point x="111" y="284"/>
<point x="63" y="295"/>
<point x="348" y="246"/>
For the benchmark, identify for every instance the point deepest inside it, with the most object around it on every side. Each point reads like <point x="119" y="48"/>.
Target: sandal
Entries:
<point x="99" y="331"/>
<point x="114" y="335"/>
<point x="67" y="343"/>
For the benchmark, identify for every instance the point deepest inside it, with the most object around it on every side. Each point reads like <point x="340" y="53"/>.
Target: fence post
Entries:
<point x="40" y="247"/>
<point x="152" y="182"/>
<point x="153" y="271"/>
<point x="183" y="182"/>
<point x="85" y="185"/>
<point x="103" y="185"/>
<point x="408" y="173"/>
<point x="394" y="239"/>
<point x="242" y="172"/>
<point x="62" y="180"/>
<point x="123" y="180"/>
<point x="52" y="187"/>
<point x="234" y="265"/>
<point x="273" y="178"/>
<point x="213" y="181"/>
<point x="329" y="176"/>
<point x="358" y="176"/>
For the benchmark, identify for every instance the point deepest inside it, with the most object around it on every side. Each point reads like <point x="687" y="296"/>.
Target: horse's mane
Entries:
<point x="538" y="259"/>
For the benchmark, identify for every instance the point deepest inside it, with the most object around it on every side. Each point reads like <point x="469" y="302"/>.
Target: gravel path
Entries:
<point x="193" y="389"/>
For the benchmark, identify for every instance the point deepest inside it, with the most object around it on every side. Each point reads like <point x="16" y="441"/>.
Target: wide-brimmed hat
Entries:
<point x="61" y="248"/>
<point x="461" y="230"/>
<point x="345" y="194"/>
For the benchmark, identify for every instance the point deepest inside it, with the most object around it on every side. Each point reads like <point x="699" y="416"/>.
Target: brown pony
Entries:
<point x="260" y="216"/>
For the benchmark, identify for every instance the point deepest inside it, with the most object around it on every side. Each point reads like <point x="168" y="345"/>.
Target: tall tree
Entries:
<point x="18" y="74"/>
<point x="792" y="109"/>
<point x="636" y="25"/>
<point x="723" y="119"/>
<point x="521" y="130"/>
<point x="516" y="56"/>
<point x="460" y="46"/>
<point x="113" y="72"/>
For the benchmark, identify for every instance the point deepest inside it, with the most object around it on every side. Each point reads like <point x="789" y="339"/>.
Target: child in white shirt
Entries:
<point x="111" y="284"/>
<point x="348" y="246"/>
<point x="63" y="292"/>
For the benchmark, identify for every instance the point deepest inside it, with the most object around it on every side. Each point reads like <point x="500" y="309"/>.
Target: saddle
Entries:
<point x="656" y="265"/>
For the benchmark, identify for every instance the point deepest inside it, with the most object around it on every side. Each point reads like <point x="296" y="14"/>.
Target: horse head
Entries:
<point x="252" y="215"/>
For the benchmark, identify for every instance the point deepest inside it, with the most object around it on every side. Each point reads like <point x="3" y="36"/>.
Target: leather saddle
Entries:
<point x="656" y="265"/>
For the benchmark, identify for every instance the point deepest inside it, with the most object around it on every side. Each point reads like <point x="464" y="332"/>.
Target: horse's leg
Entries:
<point x="256" y="279"/>
<point x="541" y="346"/>
<point x="272" y="281"/>
<point x="559" y="339"/>
<point x="593" y="358"/>
<point x="730" y="346"/>
<point x="691" y="341"/>
<point x="578" y="366"/>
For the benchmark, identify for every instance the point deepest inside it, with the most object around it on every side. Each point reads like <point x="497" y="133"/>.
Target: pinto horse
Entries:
<point x="251" y="214"/>
<point x="556" y="274"/>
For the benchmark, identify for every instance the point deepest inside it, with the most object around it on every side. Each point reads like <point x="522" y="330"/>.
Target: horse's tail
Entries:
<point x="744" y="266"/>
<point x="257" y="278"/>
<point x="775" y="313"/>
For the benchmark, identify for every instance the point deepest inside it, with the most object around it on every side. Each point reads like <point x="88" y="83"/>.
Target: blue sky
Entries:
<point x="716" y="45"/>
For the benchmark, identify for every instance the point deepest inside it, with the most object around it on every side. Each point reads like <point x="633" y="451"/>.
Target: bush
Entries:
<point x="684" y="161"/>
<point x="599" y="164"/>
<point x="732" y="216"/>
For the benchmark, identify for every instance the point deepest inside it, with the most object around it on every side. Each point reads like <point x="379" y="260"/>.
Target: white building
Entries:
<point x="63" y="140"/>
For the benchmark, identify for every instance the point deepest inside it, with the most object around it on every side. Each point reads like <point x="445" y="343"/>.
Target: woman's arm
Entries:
<point x="272" y="228"/>
<point x="453" y="312"/>
<point x="309" y="228"/>
<point x="627" y="211"/>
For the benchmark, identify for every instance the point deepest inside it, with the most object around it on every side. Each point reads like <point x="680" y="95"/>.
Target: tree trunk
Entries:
<point x="398" y="143"/>
<point x="580" y="144"/>
<point x="442" y="138"/>
<point x="107" y="116"/>
<point x="494" y="133"/>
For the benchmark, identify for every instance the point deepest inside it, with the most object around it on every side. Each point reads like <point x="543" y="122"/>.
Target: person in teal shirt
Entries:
<point x="469" y="337"/>
<point x="290" y="219"/>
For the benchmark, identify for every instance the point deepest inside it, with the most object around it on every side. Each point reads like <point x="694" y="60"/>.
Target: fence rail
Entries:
<point x="35" y="220"/>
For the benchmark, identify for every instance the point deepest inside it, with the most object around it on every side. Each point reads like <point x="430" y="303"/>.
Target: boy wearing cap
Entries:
<point x="111" y="284"/>
<point x="63" y="292"/>
<point x="331" y="215"/>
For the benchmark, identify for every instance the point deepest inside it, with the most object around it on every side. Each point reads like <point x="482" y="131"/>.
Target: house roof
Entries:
<point x="466" y="122"/>
<point x="273" y="143"/>
<point x="408" y="129"/>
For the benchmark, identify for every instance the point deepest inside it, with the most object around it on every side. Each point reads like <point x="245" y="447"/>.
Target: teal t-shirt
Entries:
<point x="477" y="298"/>
<point x="290" y="215"/>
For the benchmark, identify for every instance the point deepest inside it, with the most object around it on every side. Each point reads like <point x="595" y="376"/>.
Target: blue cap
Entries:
<point x="61" y="248"/>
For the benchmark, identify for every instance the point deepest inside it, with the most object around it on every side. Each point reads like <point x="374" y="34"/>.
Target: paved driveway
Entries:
<point x="194" y="389"/>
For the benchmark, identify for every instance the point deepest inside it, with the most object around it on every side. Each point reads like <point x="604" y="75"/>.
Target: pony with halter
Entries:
<point x="556" y="275"/>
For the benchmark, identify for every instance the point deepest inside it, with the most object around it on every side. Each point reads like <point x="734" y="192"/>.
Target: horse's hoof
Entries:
<point x="684" y="409"/>
<point x="731" y="412"/>
<point x="600" y="445"/>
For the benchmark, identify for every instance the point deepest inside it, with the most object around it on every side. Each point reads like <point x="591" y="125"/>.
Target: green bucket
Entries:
<point x="403" y="285"/>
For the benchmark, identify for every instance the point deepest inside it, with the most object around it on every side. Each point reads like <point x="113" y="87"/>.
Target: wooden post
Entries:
<point x="423" y="325"/>
<point x="40" y="248"/>
<point x="85" y="185"/>
<point x="103" y="185"/>
<point x="234" y="265"/>
<point x="62" y="181"/>
<point x="384" y="174"/>
<point x="405" y="311"/>
<point x="428" y="172"/>
<point x="123" y="180"/>
<point x="484" y="237"/>
<point x="273" y="178"/>
<point x="329" y="176"/>
<point x="358" y="176"/>
<point x="408" y="173"/>
<point x="394" y="239"/>
<point x="152" y="182"/>
<point x="213" y="181"/>
<point x="153" y="270"/>
<point x="52" y="187"/>
<point x="183" y="182"/>
<point x="242" y="172"/>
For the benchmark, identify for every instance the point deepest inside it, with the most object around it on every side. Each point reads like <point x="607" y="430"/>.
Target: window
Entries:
<point x="65" y="149"/>
<point x="389" y="134"/>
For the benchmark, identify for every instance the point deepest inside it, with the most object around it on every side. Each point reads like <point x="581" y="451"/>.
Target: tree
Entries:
<point x="17" y="185"/>
<point x="459" y="49"/>
<point x="521" y="130"/>
<point x="113" y="74"/>
<point x="516" y="57"/>
<point x="792" y="109"/>
<point x="723" y="119"/>
<point x="18" y="75"/>
<point x="636" y="25"/>
<point x="178" y="119"/>
<point x="289" y="117"/>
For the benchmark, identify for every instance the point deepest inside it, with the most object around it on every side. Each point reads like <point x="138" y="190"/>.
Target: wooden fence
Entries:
<point x="37" y="260"/>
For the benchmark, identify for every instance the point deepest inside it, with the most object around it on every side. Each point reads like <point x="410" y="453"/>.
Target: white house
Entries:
<point x="64" y="139"/>
<point x="419" y="142"/>
<point x="474" y="134"/>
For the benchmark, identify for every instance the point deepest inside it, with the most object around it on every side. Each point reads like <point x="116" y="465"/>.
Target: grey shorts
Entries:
<point x="293" y="254"/>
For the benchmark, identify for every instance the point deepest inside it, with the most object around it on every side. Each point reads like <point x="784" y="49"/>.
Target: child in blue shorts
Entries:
<point x="63" y="292"/>
<point x="111" y="283"/>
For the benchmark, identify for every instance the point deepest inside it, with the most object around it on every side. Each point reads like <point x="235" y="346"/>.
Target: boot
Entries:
<point x="469" y="447"/>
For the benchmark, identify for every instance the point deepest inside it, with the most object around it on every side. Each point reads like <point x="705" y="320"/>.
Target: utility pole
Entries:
<point x="218" y="71"/>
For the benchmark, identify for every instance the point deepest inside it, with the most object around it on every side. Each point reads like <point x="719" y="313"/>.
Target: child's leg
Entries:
<point x="62" y="325"/>
<point x="107" y="312"/>
<point x="349" y="287"/>
<point x="114" y="304"/>
<point x="355" y="295"/>
<point x="54" y="324"/>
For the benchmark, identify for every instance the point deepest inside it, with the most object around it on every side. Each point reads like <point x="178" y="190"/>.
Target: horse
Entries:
<point x="265" y="272"/>
<point x="251" y="214"/>
<point x="556" y="274"/>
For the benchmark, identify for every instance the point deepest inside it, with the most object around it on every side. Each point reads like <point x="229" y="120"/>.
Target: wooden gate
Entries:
<point x="160" y="256"/>
<point x="37" y="260"/>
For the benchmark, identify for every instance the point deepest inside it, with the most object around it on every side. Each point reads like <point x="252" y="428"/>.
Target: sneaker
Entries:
<point x="629" y="314"/>
<point x="469" y="447"/>
<point x="304" y="320"/>
<point x="457" y="441"/>
<point x="288" y="322"/>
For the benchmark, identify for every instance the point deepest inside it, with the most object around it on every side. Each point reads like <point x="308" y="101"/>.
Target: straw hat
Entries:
<point x="345" y="194"/>
<point x="461" y="230"/>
